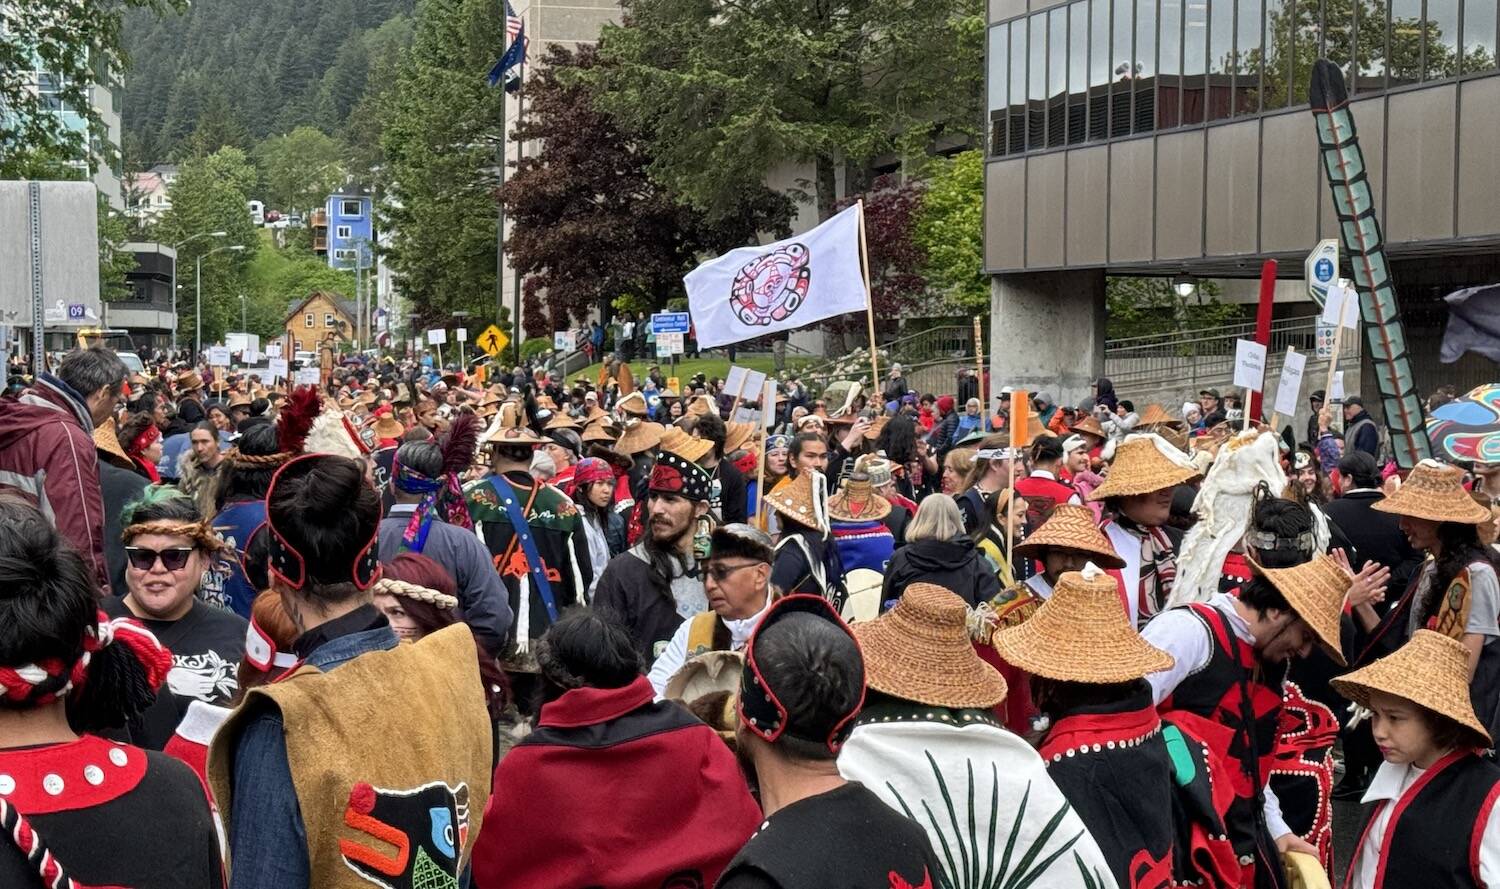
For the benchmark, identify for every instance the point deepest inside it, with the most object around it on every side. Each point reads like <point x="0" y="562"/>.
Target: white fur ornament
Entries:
<point x="1223" y="508"/>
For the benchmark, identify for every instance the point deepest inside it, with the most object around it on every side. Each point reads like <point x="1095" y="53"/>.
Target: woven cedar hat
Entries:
<point x="737" y="436"/>
<point x="857" y="501"/>
<point x="600" y="432"/>
<point x="639" y="435"/>
<point x="240" y="399"/>
<point x="107" y="439"/>
<point x="877" y="426"/>
<point x="797" y="499"/>
<point x="633" y="404"/>
<point x="1316" y="591"/>
<point x="1082" y="634"/>
<point x="545" y="401"/>
<point x="674" y="440"/>
<point x="1434" y="491"/>
<point x="1142" y="464"/>
<point x="596" y="414"/>
<point x="561" y="420"/>
<point x="1071" y="527"/>
<point x="701" y="405"/>
<point x="1431" y="670"/>
<point x="920" y="651"/>
<point x="389" y="427"/>
<point x="189" y="381"/>
<point x="1088" y="426"/>
<point x="1156" y="415"/>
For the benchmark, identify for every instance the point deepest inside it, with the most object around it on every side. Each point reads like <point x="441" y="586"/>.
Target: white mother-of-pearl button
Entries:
<point x="94" y="775"/>
<point x="7" y="785"/>
<point x="53" y="784"/>
<point x="118" y="757"/>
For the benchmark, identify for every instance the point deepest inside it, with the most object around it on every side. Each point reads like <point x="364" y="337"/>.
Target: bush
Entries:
<point x="535" y="347"/>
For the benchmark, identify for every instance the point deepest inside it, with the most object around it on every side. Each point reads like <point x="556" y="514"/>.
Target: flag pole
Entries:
<point x="760" y="468"/>
<point x="520" y="155"/>
<point x="500" y="231"/>
<point x="864" y="262"/>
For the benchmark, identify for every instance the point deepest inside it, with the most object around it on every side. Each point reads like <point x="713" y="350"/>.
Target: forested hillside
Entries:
<point x="247" y="69"/>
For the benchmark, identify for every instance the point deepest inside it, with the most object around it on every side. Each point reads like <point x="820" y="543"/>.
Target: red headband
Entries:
<point x="145" y="439"/>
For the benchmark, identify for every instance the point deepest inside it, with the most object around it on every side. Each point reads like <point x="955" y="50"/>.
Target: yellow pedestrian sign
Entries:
<point x="493" y="340"/>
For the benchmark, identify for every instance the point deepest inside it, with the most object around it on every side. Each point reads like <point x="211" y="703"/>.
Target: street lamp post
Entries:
<point x="244" y="325"/>
<point x="198" y="310"/>
<point x="175" y="247"/>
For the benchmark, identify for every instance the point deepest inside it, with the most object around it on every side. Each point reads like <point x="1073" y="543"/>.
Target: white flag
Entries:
<point x="754" y="291"/>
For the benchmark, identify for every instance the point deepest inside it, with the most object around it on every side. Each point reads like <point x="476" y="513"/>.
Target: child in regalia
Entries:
<point x="1434" y="797"/>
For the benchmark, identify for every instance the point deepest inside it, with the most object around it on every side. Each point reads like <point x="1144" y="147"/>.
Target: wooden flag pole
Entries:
<point x="760" y="461"/>
<point x="864" y="262"/>
<point x="1333" y="357"/>
<point x="739" y="393"/>
<point x="984" y="405"/>
<point x="1020" y="433"/>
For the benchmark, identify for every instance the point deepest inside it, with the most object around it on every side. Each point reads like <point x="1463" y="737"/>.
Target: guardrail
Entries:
<point x="1205" y="354"/>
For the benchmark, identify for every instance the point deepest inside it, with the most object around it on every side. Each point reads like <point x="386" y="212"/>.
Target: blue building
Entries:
<point x="350" y="234"/>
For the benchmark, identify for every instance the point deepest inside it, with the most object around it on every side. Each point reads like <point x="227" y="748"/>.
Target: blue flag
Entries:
<point x="515" y="52"/>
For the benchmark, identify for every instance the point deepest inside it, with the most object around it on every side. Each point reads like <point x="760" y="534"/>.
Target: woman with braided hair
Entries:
<point x="171" y="554"/>
<point x="86" y="810"/>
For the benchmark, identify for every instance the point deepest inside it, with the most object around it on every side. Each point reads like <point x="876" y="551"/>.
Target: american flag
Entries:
<point x="515" y="51"/>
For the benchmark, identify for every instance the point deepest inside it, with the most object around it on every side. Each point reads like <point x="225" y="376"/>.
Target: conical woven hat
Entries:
<point x="794" y="498"/>
<point x="107" y="439"/>
<point x="1140" y="467"/>
<point x="1071" y="527"/>
<point x="1316" y="591"/>
<point x="599" y="432"/>
<point x="857" y="501"/>
<point x="1435" y="491"/>
<point x="920" y="651"/>
<point x="737" y="435"/>
<point x="1089" y="426"/>
<point x="639" y="435"/>
<point x="633" y="404"/>
<point x="701" y="405"/>
<point x="684" y="445"/>
<point x="561" y="420"/>
<point x="1156" y="415"/>
<point x="1082" y="634"/>
<point x="1431" y="670"/>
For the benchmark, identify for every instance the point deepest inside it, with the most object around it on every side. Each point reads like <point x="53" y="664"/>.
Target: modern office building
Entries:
<point x="106" y="102"/>
<point x="1172" y="137"/>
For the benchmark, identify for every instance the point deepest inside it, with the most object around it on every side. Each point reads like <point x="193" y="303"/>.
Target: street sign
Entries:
<point x="670" y="322"/>
<point x="562" y="340"/>
<point x="493" y="340"/>
<point x="461" y="334"/>
<point x="1321" y="268"/>
<point x="76" y="311"/>
<point x="1324" y="340"/>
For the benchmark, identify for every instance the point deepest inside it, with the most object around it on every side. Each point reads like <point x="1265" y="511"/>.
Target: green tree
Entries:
<point x="300" y="169"/>
<point x="219" y="126"/>
<point x="439" y="137"/>
<point x="1151" y="307"/>
<point x="78" y="44"/>
<point x="949" y="229"/>
<point x="209" y="195"/>
<point x="725" y="91"/>
<point x="362" y="128"/>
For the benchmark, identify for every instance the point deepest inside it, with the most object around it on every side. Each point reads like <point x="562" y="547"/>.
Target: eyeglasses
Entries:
<point x="143" y="559"/>
<point x="720" y="572"/>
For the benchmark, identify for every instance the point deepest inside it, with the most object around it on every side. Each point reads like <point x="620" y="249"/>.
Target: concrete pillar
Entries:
<point x="1047" y="332"/>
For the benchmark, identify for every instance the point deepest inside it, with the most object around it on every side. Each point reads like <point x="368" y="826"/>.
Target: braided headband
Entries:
<point x="393" y="587"/>
<point x="202" y="532"/>
<point x="256" y="461"/>
<point x="51" y="679"/>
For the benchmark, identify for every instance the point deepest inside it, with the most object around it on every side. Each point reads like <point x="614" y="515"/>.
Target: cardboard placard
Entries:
<point x="273" y="350"/>
<point x="309" y="376"/>
<point x="744" y="383"/>
<point x="277" y="368"/>
<point x="437" y="337"/>
<point x="250" y="356"/>
<point x="461" y="334"/>
<point x="1249" y="365"/>
<point x="1336" y="391"/>
<point x="562" y="340"/>
<point x="1289" y="389"/>
<point x="218" y="356"/>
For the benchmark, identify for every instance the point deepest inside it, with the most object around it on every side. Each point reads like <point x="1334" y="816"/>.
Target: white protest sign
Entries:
<point x="250" y="356"/>
<point x="437" y="337"/>
<point x="277" y="368"/>
<point x="1336" y="391"/>
<point x="562" y="340"/>
<point x="461" y="334"/>
<point x="745" y="415"/>
<point x="309" y="376"/>
<point x="1341" y="307"/>
<point x="1289" y="390"/>
<point x="273" y="350"/>
<point x="668" y="344"/>
<point x="1249" y="364"/>
<point x="742" y="382"/>
<point x="218" y="356"/>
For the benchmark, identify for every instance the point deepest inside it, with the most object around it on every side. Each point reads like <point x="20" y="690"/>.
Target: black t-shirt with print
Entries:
<point x="843" y="839"/>
<point x="206" y="644"/>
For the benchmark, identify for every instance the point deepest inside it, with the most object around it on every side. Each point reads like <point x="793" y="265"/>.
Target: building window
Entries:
<point x="308" y="320"/>
<point x="298" y="346"/>
<point x="343" y="232"/>
<point x="351" y="208"/>
<point x="328" y="319"/>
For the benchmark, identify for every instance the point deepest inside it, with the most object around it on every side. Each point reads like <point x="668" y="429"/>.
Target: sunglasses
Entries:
<point x="720" y="572"/>
<point x="143" y="559"/>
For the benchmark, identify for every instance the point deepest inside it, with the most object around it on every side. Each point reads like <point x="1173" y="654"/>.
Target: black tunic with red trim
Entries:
<point x="1234" y="704"/>
<point x="1146" y="792"/>
<point x="112" y="815"/>
<point x="1433" y="837"/>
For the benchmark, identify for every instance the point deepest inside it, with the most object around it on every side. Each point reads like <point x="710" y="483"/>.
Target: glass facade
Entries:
<point x="1090" y="70"/>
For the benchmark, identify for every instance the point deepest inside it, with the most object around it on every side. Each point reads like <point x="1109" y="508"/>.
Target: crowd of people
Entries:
<point x="417" y="627"/>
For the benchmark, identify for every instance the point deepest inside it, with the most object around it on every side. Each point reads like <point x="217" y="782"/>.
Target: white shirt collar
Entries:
<point x="1225" y="603"/>
<point x="740" y="630"/>
<point x="1391" y="781"/>
<point x="1042" y="473"/>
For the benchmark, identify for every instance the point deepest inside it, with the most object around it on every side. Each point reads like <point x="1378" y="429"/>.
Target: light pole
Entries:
<point x="175" y="247"/>
<point x="243" y="323"/>
<point x="198" y="310"/>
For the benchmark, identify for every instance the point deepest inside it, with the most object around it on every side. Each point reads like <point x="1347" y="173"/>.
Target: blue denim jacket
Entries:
<point x="267" y="839"/>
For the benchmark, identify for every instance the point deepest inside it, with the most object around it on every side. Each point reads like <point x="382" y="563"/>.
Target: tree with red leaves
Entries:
<point x="590" y="224"/>
<point x="896" y="260"/>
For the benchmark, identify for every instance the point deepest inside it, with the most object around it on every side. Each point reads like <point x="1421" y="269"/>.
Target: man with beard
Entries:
<point x="654" y="586"/>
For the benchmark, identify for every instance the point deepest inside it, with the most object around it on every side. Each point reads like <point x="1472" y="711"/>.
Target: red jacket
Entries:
<point x="47" y="456"/>
<point x="617" y="792"/>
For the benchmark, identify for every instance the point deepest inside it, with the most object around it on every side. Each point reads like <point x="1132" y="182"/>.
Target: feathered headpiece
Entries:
<point x="458" y="454"/>
<point x="333" y="433"/>
<point x="292" y="424"/>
